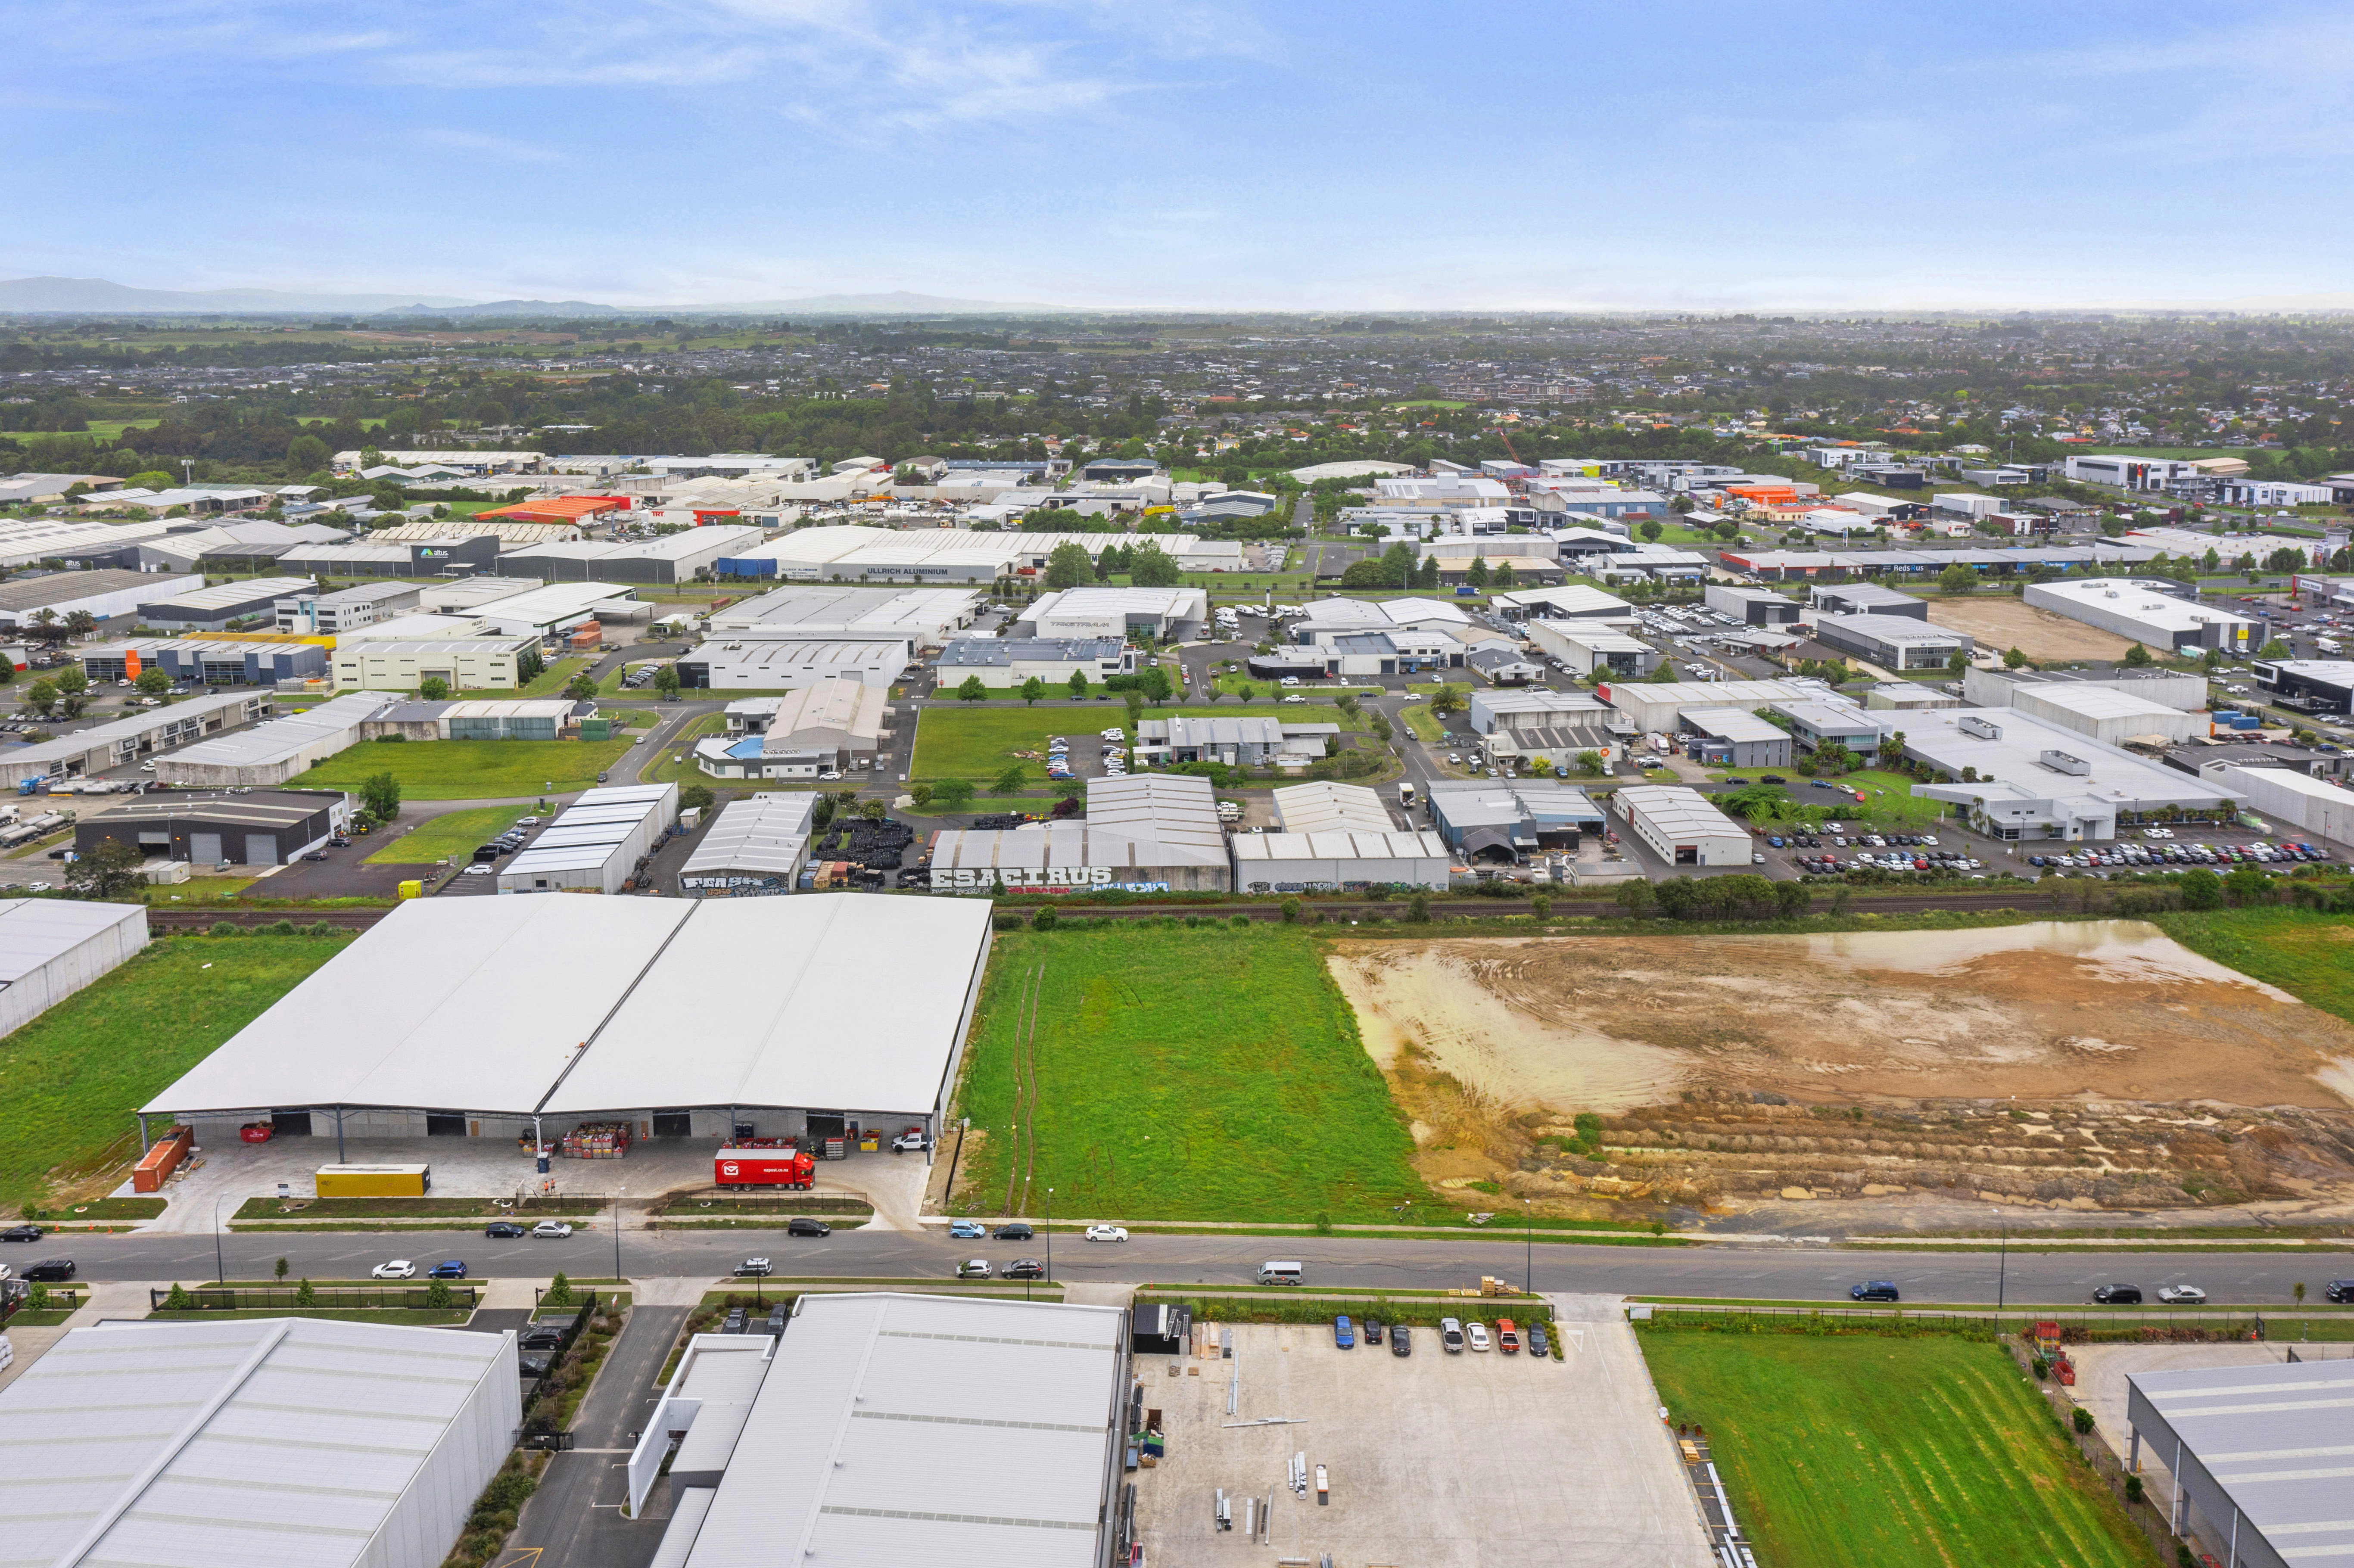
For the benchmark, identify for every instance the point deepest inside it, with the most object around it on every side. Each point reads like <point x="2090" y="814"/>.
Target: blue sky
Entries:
<point x="1173" y="155"/>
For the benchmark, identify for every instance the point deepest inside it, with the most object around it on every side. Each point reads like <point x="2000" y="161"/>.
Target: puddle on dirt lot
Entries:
<point x="2043" y="1011"/>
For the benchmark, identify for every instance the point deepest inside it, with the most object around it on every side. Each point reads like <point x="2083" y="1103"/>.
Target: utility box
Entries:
<point x="412" y="889"/>
<point x="375" y="1180"/>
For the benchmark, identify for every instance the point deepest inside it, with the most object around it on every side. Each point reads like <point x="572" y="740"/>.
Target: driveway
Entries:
<point x="575" y="1517"/>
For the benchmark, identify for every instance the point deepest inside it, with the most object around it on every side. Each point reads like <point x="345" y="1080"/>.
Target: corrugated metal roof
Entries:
<point x="922" y="1429"/>
<point x="280" y="1442"/>
<point x="764" y="832"/>
<point x="1324" y="805"/>
<point x="35" y="931"/>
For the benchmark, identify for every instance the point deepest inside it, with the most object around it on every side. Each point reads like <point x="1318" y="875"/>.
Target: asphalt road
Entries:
<point x="1782" y="1273"/>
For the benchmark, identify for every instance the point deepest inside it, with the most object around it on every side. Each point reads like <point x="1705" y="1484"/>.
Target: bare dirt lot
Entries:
<point x="2000" y="624"/>
<point x="1700" y="1052"/>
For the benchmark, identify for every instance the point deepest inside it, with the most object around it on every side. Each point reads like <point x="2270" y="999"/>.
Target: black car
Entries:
<point x="2118" y="1295"/>
<point x="805" y="1226"/>
<point x="533" y="1366"/>
<point x="775" y="1319"/>
<point x="1401" y="1339"/>
<point x="543" y="1341"/>
<point x="1372" y="1328"/>
<point x="1025" y="1268"/>
<point x="735" y="1322"/>
<point x="22" y="1233"/>
<point x="2339" y="1291"/>
<point x="1538" y="1346"/>
<point x="1874" y="1290"/>
<point x="50" y="1270"/>
<point x="500" y="1230"/>
<point x="1014" y="1232"/>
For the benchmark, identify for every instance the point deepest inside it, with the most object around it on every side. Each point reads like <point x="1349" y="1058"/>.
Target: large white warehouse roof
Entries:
<point x="560" y="1004"/>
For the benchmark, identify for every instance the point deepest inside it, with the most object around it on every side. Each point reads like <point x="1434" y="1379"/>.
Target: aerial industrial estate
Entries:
<point x="1404" y="908"/>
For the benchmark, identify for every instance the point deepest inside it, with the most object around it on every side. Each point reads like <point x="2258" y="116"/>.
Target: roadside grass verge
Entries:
<point x="663" y="771"/>
<point x="468" y="769"/>
<point x="1894" y="1452"/>
<point x="2308" y="954"/>
<point x="449" y="836"/>
<point x="76" y="1074"/>
<point x="551" y="681"/>
<point x="1207" y="1074"/>
<point x="430" y="1316"/>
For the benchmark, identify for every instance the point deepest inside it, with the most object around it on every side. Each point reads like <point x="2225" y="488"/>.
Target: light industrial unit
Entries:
<point x="271" y="753"/>
<point x="665" y="558"/>
<point x="1337" y="836"/>
<point x="461" y="663"/>
<point x="292" y="1441"/>
<point x="120" y="742"/>
<point x="596" y="842"/>
<point x="827" y="727"/>
<point x="51" y="948"/>
<point x="1867" y="598"/>
<point x="208" y="661"/>
<point x="504" y="1017"/>
<point x="1751" y="606"/>
<point x="2018" y="776"/>
<point x="1892" y="642"/>
<point x="2297" y="799"/>
<point x="2146" y="610"/>
<point x="925" y="617"/>
<point x="1736" y="737"/>
<point x="265" y="828"/>
<point x="2257" y="1454"/>
<point x="1652" y="707"/>
<point x="2311" y="685"/>
<point x="1144" y="834"/>
<point x="776" y="659"/>
<point x="103" y="594"/>
<point x="1508" y="820"/>
<point x="211" y="609"/>
<point x="1680" y="827"/>
<point x="888" y="1428"/>
<point x="1161" y="614"/>
<point x="754" y="847"/>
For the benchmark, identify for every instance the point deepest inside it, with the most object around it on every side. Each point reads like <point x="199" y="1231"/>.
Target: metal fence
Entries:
<point x="2080" y="1325"/>
<point x="230" y="1298"/>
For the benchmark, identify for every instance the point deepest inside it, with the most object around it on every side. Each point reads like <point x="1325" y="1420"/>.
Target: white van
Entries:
<point x="1278" y="1274"/>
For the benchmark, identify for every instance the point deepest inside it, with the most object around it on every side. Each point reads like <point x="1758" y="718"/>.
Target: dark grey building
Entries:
<point x="1892" y="641"/>
<point x="1868" y="598"/>
<point x="264" y="827"/>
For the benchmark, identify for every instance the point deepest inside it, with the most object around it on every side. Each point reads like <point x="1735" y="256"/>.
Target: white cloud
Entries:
<point x="505" y="148"/>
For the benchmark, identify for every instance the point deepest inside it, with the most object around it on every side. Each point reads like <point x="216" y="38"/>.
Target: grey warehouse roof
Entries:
<point x="512" y="1005"/>
<point x="763" y="833"/>
<point x="2261" y="1447"/>
<point x="290" y="1442"/>
<point x="997" y="652"/>
<point x="35" y="931"/>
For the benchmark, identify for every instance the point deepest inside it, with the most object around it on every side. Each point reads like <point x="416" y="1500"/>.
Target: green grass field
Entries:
<point x="469" y="769"/>
<point x="1928" y="1452"/>
<point x="451" y="835"/>
<point x="552" y="681"/>
<point x="978" y="742"/>
<point x="2308" y="955"/>
<point x="75" y="1075"/>
<point x="663" y="771"/>
<point x="1252" y="1100"/>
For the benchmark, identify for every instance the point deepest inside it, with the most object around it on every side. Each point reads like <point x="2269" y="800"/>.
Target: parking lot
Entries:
<point x="1435" y="1460"/>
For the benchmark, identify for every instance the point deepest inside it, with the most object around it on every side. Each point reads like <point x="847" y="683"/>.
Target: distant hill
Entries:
<point x="96" y="296"/>
<point x="901" y="304"/>
<point x="508" y="308"/>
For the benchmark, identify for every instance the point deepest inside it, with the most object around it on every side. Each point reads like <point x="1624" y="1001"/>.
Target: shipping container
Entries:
<point x="375" y="1180"/>
<point x="161" y="1159"/>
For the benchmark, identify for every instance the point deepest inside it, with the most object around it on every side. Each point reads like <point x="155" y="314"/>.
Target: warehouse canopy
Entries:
<point x="564" y="1004"/>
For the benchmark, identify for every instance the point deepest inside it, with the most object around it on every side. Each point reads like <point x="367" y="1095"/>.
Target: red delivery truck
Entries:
<point x="783" y="1166"/>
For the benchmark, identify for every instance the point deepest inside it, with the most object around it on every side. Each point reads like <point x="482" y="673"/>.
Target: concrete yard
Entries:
<point x="1435" y="1460"/>
<point x="2101" y="1372"/>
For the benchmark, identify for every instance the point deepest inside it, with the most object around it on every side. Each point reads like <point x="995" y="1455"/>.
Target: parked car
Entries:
<point x="551" y="1230"/>
<point x="1107" y="1233"/>
<point x="502" y="1230"/>
<point x="315" y="855"/>
<point x="966" y="1230"/>
<point x="527" y="1365"/>
<point x="1345" y="1333"/>
<point x="1875" y="1290"/>
<point x="50" y="1270"/>
<point x="478" y="869"/>
<point x="541" y="1336"/>
<point x="398" y="1268"/>
<point x="1507" y="1337"/>
<point x="1477" y="1333"/>
<point x="802" y="1226"/>
<point x="1538" y="1345"/>
<point x="2119" y="1294"/>
<point x="1025" y="1268"/>
<point x="1450" y="1336"/>
<point x="734" y="1321"/>
<point x="973" y="1268"/>
<point x="2339" y="1291"/>
<point x="752" y="1267"/>
<point x="23" y="1232"/>
<point x="1401" y="1339"/>
<point x="1372" y="1328"/>
<point x="2182" y="1296"/>
<point x="910" y="1143"/>
<point x="1017" y="1230"/>
<point x="452" y="1269"/>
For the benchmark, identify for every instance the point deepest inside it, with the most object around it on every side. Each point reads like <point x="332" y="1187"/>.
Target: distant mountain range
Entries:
<point x="96" y="296"/>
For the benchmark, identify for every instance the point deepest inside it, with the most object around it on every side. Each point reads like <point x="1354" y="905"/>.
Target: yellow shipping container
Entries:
<point x="375" y="1180"/>
<point x="412" y="889"/>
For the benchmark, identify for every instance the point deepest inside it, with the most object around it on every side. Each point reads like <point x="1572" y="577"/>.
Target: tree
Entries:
<point x="1446" y="700"/>
<point x="1012" y="781"/>
<point x="1590" y="763"/>
<point x="2276" y="649"/>
<point x="72" y="688"/>
<point x="153" y="683"/>
<point x="1399" y="563"/>
<point x="1135" y="701"/>
<point x="305" y="454"/>
<point x="2136" y="657"/>
<point x="433" y="688"/>
<point x="1418" y="909"/>
<point x="1957" y="662"/>
<point x="1540" y="766"/>
<point x="1068" y="565"/>
<point x="970" y="690"/>
<point x="1791" y="900"/>
<point x="1150" y="565"/>
<point x="1650" y="530"/>
<point x="1478" y="576"/>
<point x="280" y="1271"/>
<point x="80" y="623"/>
<point x="666" y="678"/>
<point x="559" y="1293"/>
<point x="1957" y="578"/>
<point x="41" y="697"/>
<point x="1032" y="690"/>
<point x="1078" y="685"/>
<point x="953" y="794"/>
<point x="529" y="666"/>
<point x="1504" y="579"/>
<point x="582" y="687"/>
<point x="2201" y="889"/>
<point x="2247" y="885"/>
<point x="380" y="793"/>
<point x="1634" y="899"/>
<point x="696" y="797"/>
<point x="109" y="871"/>
<point x="1153" y="682"/>
<point x="2012" y="658"/>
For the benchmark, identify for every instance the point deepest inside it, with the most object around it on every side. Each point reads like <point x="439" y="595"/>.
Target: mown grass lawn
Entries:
<point x="1896" y="1453"/>
<point x="72" y="1078"/>
<point x="978" y="743"/>
<point x="2307" y="954"/>
<point x="1209" y="1073"/>
<point x="451" y="835"/>
<point x="469" y="769"/>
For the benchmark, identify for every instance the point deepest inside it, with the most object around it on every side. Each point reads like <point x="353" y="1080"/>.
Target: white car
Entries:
<point x="398" y="1268"/>
<point x="1114" y="734"/>
<point x="1107" y="1233"/>
<point x="2182" y="1296"/>
<point x="554" y="1229"/>
<point x="479" y="868"/>
<point x="1477" y="1331"/>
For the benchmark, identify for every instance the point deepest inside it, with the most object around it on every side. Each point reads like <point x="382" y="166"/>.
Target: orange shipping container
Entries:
<point x="162" y="1159"/>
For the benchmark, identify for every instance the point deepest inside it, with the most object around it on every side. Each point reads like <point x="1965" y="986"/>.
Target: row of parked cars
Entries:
<point x="2337" y="1290"/>
<point x="1455" y="1336"/>
<point x="2256" y="854"/>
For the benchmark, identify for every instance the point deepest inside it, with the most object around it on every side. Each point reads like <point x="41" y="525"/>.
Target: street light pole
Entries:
<point x="617" y="1232"/>
<point x="1528" y="1247"/>
<point x="1050" y="1235"/>
<point x="2002" y="1272"/>
<point x="220" y="1270"/>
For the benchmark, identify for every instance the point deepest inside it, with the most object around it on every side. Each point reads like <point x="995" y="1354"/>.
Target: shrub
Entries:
<point x="1418" y="909"/>
<point x="280" y="928"/>
<point x="1044" y="920"/>
<point x="437" y="1293"/>
<point x="1239" y="922"/>
<point x="178" y="1300"/>
<point x="1006" y="922"/>
<point x="1291" y="910"/>
<point x="559" y="1293"/>
<point x="223" y="928"/>
<point x="1541" y="906"/>
<point x="2133" y="1488"/>
<point x="2081" y="1419"/>
<point x="307" y="1294"/>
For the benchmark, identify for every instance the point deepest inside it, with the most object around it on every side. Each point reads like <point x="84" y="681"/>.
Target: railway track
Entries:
<point x="180" y="922"/>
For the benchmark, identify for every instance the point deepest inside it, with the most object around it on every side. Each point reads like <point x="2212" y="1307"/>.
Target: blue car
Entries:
<point x="452" y="1269"/>
<point x="1344" y="1335"/>
<point x="967" y="1230"/>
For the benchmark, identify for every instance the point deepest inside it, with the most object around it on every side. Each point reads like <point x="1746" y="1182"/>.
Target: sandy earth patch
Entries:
<point x="2005" y="622"/>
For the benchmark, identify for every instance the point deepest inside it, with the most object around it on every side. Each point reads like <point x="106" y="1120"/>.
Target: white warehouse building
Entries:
<point x="595" y="843"/>
<point x="1680" y="827"/>
<point x="2285" y="796"/>
<point x="1336" y="836"/>
<point x="51" y="948"/>
<point x="2147" y="613"/>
